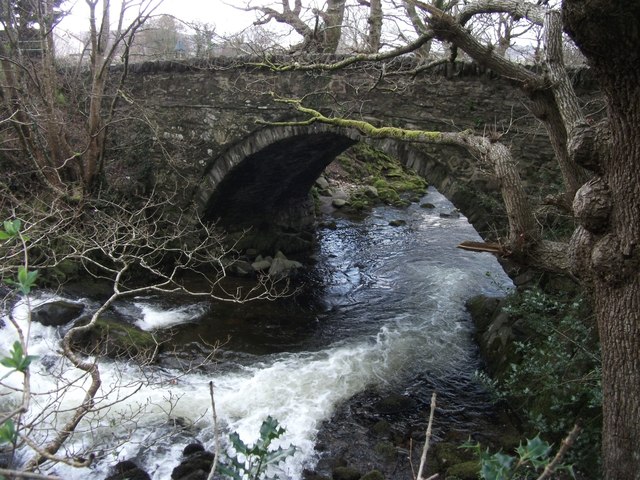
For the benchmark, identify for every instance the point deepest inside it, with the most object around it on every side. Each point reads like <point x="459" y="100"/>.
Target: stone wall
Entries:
<point x="195" y="115"/>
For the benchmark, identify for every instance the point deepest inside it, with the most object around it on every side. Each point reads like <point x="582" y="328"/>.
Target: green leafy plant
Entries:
<point x="18" y="360"/>
<point x="251" y="461"/>
<point x="530" y="461"/>
<point x="26" y="280"/>
<point x="556" y="382"/>
<point x="11" y="229"/>
<point x="8" y="433"/>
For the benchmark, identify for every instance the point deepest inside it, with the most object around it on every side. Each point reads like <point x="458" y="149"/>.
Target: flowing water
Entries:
<point x="387" y="302"/>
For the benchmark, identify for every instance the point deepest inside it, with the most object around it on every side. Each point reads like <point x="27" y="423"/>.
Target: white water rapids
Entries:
<point x="394" y="304"/>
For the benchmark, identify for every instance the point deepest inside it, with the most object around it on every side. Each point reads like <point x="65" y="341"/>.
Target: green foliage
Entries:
<point x="18" y="360"/>
<point x="251" y="461"/>
<point x="557" y="381"/>
<point x="26" y="278"/>
<point x="8" y="433"/>
<point x="529" y="462"/>
<point x="11" y="229"/>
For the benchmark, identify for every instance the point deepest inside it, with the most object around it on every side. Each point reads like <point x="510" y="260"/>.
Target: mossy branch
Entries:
<point x="465" y="138"/>
<point x="524" y="239"/>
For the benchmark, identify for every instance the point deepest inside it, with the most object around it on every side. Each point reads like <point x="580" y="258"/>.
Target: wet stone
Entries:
<point x="57" y="313"/>
<point x="128" y="470"/>
<point x="194" y="467"/>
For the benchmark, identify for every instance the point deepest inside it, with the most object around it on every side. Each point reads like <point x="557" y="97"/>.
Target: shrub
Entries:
<point x="557" y="381"/>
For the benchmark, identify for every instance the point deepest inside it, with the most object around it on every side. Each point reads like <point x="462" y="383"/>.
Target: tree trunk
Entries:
<point x="606" y="32"/>
<point x="375" y="26"/>
<point x="615" y="260"/>
<point x="332" y="28"/>
<point x="420" y="28"/>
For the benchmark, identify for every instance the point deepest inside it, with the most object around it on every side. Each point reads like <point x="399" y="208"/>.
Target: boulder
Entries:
<point x="114" y="338"/>
<point x="397" y="223"/>
<point x="281" y="267"/>
<point x="128" y="470"/>
<point x="242" y="268"/>
<point x="340" y="195"/>
<point x="452" y="214"/>
<point x="57" y="313"/>
<point x="194" y="467"/>
<point x="338" y="202"/>
<point x="371" y="191"/>
<point x="329" y="225"/>
<point x="464" y="471"/>
<point x="261" y="265"/>
<point x="322" y="183"/>
<point x="192" y="448"/>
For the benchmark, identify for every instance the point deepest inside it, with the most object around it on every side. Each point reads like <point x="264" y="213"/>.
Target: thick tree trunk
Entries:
<point x="332" y="29"/>
<point x="607" y="33"/>
<point x="615" y="260"/>
<point x="619" y="325"/>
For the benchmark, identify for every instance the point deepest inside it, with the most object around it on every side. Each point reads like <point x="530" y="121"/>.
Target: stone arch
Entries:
<point x="264" y="180"/>
<point x="269" y="173"/>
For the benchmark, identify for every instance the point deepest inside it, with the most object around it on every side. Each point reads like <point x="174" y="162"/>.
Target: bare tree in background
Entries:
<point x="162" y="37"/>
<point x="203" y="39"/>
<point x="65" y="148"/>
<point x="320" y="29"/>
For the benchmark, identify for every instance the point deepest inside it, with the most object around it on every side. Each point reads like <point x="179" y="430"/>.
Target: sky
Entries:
<point x="226" y="18"/>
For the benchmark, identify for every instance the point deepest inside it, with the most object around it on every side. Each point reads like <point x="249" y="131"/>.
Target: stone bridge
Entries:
<point x="210" y="119"/>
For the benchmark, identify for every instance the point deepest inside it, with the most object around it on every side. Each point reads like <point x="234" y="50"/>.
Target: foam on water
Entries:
<point x="153" y="317"/>
<point x="420" y="327"/>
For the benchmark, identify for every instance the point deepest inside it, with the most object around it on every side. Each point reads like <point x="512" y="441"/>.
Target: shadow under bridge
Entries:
<point x="263" y="182"/>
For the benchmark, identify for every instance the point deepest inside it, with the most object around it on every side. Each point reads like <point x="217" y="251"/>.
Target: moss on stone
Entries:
<point x="386" y="450"/>
<point x="448" y="454"/>
<point x="367" y="165"/>
<point x="116" y="339"/>
<point x="464" y="471"/>
<point x="373" y="475"/>
<point x="346" y="473"/>
<point x="382" y="428"/>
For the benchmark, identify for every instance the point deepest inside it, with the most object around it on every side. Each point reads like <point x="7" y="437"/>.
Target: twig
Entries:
<point x="566" y="444"/>
<point x="425" y="449"/>
<point x="17" y="474"/>
<point x="216" y="438"/>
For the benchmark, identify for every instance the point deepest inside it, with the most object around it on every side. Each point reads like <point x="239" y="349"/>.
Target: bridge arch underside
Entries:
<point x="263" y="182"/>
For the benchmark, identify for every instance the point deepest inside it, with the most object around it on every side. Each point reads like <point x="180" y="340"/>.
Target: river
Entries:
<point x="385" y="304"/>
